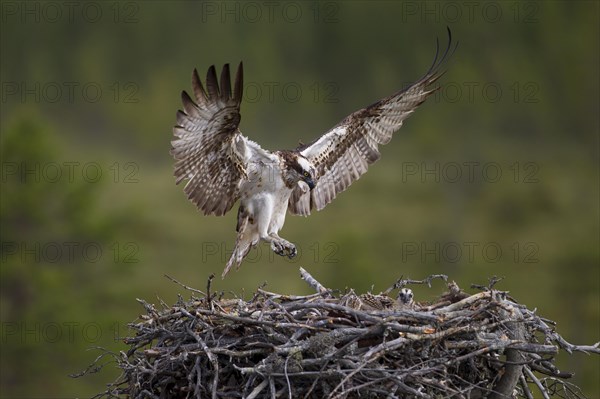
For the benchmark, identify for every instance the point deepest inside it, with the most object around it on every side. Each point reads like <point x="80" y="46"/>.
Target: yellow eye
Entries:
<point x="306" y="174"/>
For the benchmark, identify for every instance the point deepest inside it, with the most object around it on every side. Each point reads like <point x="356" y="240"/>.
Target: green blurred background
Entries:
<point x="496" y="175"/>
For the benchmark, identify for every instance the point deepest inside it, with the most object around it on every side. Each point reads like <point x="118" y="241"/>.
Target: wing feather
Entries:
<point x="344" y="153"/>
<point x="199" y="92"/>
<point x="212" y="86"/>
<point x="209" y="150"/>
<point x="225" y="83"/>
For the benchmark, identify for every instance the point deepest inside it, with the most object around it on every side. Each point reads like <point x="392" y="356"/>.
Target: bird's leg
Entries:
<point x="281" y="246"/>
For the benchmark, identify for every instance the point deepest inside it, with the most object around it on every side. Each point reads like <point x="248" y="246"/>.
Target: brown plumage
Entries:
<point x="222" y="166"/>
<point x="203" y="130"/>
<point x="344" y="153"/>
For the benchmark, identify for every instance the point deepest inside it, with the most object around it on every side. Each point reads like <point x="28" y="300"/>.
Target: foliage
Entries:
<point x="399" y="219"/>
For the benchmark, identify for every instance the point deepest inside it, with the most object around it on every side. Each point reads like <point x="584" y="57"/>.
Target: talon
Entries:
<point x="293" y="252"/>
<point x="284" y="248"/>
<point x="278" y="248"/>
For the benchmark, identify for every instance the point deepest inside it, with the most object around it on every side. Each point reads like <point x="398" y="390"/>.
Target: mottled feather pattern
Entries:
<point x="221" y="166"/>
<point x="344" y="153"/>
<point x="206" y="132"/>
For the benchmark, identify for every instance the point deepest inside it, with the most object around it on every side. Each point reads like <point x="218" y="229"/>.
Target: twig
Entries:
<point x="401" y="282"/>
<point x="185" y="286"/>
<point x="525" y="387"/>
<point x="208" y="295"/>
<point x="306" y="276"/>
<point x="258" y="389"/>
<point x="536" y="381"/>
<point x="328" y="345"/>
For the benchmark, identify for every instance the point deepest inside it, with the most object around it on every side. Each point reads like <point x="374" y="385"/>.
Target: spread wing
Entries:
<point x="209" y="150"/>
<point x="344" y="153"/>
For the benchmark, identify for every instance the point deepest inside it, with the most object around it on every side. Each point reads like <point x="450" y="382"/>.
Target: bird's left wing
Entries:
<point x="344" y="153"/>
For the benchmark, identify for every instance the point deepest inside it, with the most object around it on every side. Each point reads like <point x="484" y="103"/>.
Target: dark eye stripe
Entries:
<point x="298" y="168"/>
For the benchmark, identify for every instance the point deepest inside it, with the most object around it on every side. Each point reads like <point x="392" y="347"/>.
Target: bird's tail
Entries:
<point x="244" y="242"/>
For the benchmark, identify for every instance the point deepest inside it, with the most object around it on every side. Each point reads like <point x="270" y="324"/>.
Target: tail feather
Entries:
<point x="244" y="242"/>
<point x="242" y="247"/>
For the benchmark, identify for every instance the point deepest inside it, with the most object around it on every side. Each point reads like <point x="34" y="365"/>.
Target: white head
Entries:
<point x="298" y="168"/>
<point x="405" y="296"/>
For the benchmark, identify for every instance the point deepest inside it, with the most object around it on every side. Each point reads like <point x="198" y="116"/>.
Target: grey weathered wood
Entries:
<point x="326" y="345"/>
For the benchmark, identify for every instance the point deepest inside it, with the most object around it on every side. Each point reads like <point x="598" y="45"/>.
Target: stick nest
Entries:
<point x="343" y="345"/>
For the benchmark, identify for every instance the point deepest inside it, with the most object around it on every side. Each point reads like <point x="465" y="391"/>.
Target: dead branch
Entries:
<point x="329" y="345"/>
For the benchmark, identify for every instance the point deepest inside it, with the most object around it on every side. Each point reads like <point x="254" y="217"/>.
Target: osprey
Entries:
<point x="222" y="166"/>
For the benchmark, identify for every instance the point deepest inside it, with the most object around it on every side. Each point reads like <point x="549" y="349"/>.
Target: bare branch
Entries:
<point x="306" y="276"/>
<point x="185" y="286"/>
<point x="328" y="345"/>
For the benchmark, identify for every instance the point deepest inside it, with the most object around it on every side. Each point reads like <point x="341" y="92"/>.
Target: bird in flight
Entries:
<point x="222" y="166"/>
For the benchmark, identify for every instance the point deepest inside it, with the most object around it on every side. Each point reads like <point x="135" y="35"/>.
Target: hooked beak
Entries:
<point x="310" y="182"/>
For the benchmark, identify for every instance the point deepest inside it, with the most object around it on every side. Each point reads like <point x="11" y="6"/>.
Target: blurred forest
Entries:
<point x="498" y="174"/>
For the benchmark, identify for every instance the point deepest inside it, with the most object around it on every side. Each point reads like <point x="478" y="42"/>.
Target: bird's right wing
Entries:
<point x="209" y="150"/>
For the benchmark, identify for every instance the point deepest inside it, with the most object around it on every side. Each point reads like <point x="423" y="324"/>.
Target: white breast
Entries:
<point x="265" y="196"/>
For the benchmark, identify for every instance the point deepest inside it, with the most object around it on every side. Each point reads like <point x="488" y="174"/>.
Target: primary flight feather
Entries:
<point x="222" y="166"/>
